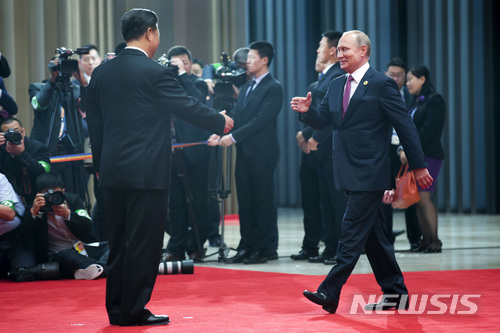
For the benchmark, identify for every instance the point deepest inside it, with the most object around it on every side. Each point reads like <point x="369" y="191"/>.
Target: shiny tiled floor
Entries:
<point x="469" y="242"/>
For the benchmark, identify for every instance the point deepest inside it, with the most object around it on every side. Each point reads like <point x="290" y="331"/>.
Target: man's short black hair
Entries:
<point x="90" y="47"/>
<point x="398" y="62"/>
<point x="120" y="47"/>
<point x="177" y="51"/>
<point x="198" y="61"/>
<point x="136" y="22"/>
<point x="11" y="120"/>
<point x="265" y="49"/>
<point x="332" y="37"/>
<point x="49" y="180"/>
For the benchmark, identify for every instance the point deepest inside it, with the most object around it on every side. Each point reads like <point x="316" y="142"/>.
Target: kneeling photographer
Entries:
<point x="63" y="235"/>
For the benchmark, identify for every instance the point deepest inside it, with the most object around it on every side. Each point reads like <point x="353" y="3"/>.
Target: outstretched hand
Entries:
<point x="229" y="122"/>
<point x="301" y="104"/>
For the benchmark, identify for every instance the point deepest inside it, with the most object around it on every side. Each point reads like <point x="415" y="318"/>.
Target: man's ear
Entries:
<point x="266" y="61"/>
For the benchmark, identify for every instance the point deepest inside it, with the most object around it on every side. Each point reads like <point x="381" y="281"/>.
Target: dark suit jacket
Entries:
<point x="324" y="136"/>
<point x="4" y="67"/>
<point x="255" y="124"/>
<point x="429" y="119"/>
<point x="361" y="151"/>
<point x="130" y="101"/>
<point x="6" y="101"/>
<point x="186" y="132"/>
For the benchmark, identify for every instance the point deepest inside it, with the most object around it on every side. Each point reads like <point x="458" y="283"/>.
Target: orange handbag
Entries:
<point x="406" y="193"/>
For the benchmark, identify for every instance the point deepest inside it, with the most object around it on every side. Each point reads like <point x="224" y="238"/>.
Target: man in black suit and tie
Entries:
<point x="319" y="142"/>
<point x="361" y="106"/>
<point x="130" y="101"/>
<point x="396" y="69"/>
<point x="256" y="115"/>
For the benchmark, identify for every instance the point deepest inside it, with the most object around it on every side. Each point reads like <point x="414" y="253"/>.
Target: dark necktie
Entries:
<point x="321" y="76"/>
<point x="249" y="92"/>
<point x="347" y="93"/>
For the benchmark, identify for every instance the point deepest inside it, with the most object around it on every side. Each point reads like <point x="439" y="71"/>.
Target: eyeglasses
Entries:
<point x="395" y="76"/>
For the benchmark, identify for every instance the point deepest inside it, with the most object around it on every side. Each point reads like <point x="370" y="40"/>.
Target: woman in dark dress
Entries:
<point x="428" y="113"/>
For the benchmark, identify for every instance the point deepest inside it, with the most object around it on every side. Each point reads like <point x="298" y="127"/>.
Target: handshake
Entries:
<point x="226" y="140"/>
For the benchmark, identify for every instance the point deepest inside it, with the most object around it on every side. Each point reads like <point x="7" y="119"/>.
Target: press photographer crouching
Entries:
<point x="63" y="235"/>
<point x="22" y="159"/>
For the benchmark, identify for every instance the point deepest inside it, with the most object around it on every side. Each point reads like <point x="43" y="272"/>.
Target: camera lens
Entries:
<point x="176" y="267"/>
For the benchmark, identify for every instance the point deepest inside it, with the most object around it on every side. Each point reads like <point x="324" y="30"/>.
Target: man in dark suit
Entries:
<point x="189" y="171"/>
<point x="130" y="101"/>
<point x="256" y="115"/>
<point x="319" y="143"/>
<point x="361" y="107"/>
<point x="396" y="69"/>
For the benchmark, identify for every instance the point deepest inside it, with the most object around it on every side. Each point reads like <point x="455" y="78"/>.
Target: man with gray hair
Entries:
<point x="361" y="106"/>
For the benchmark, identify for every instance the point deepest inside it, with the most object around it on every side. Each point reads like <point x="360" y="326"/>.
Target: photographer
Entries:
<point x="62" y="231"/>
<point x="212" y="71"/>
<point x="57" y="123"/>
<point x="22" y="159"/>
<point x="192" y="164"/>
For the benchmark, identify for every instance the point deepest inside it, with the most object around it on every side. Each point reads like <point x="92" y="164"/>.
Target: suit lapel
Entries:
<point x="361" y="90"/>
<point x="256" y="91"/>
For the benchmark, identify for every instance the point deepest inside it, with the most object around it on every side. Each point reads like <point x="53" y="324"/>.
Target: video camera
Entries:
<point x="66" y="65"/>
<point x="52" y="197"/>
<point x="230" y="72"/>
<point x="163" y="60"/>
<point x="13" y="137"/>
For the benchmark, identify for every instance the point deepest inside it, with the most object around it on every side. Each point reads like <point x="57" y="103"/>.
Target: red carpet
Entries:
<point x="225" y="300"/>
<point x="232" y="219"/>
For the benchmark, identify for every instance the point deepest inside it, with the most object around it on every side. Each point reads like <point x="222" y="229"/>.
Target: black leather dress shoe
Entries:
<point x="328" y="305"/>
<point x="390" y="302"/>
<point x="318" y="259"/>
<point x="272" y="256"/>
<point x="331" y="261"/>
<point x="304" y="255"/>
<point x="255" y="258"/>
<point x="154" y="320"/>
<point x="238" y="258"/>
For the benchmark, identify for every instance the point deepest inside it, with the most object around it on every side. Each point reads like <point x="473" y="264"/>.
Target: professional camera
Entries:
<point x="52" y="197"/>
<point x="163" y="60"/>
<point x="13" y="137"/>
<point x="66" y="65"/>
<point x="230" y="72"/>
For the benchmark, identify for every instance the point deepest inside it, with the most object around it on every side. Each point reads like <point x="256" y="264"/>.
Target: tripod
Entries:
<point x="182" y="175"/>
<point x="72" y="141"/>
<point x="221" y="186"/>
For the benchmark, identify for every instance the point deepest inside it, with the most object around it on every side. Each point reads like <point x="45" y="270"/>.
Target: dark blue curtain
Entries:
<point x="445" y="35"/>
